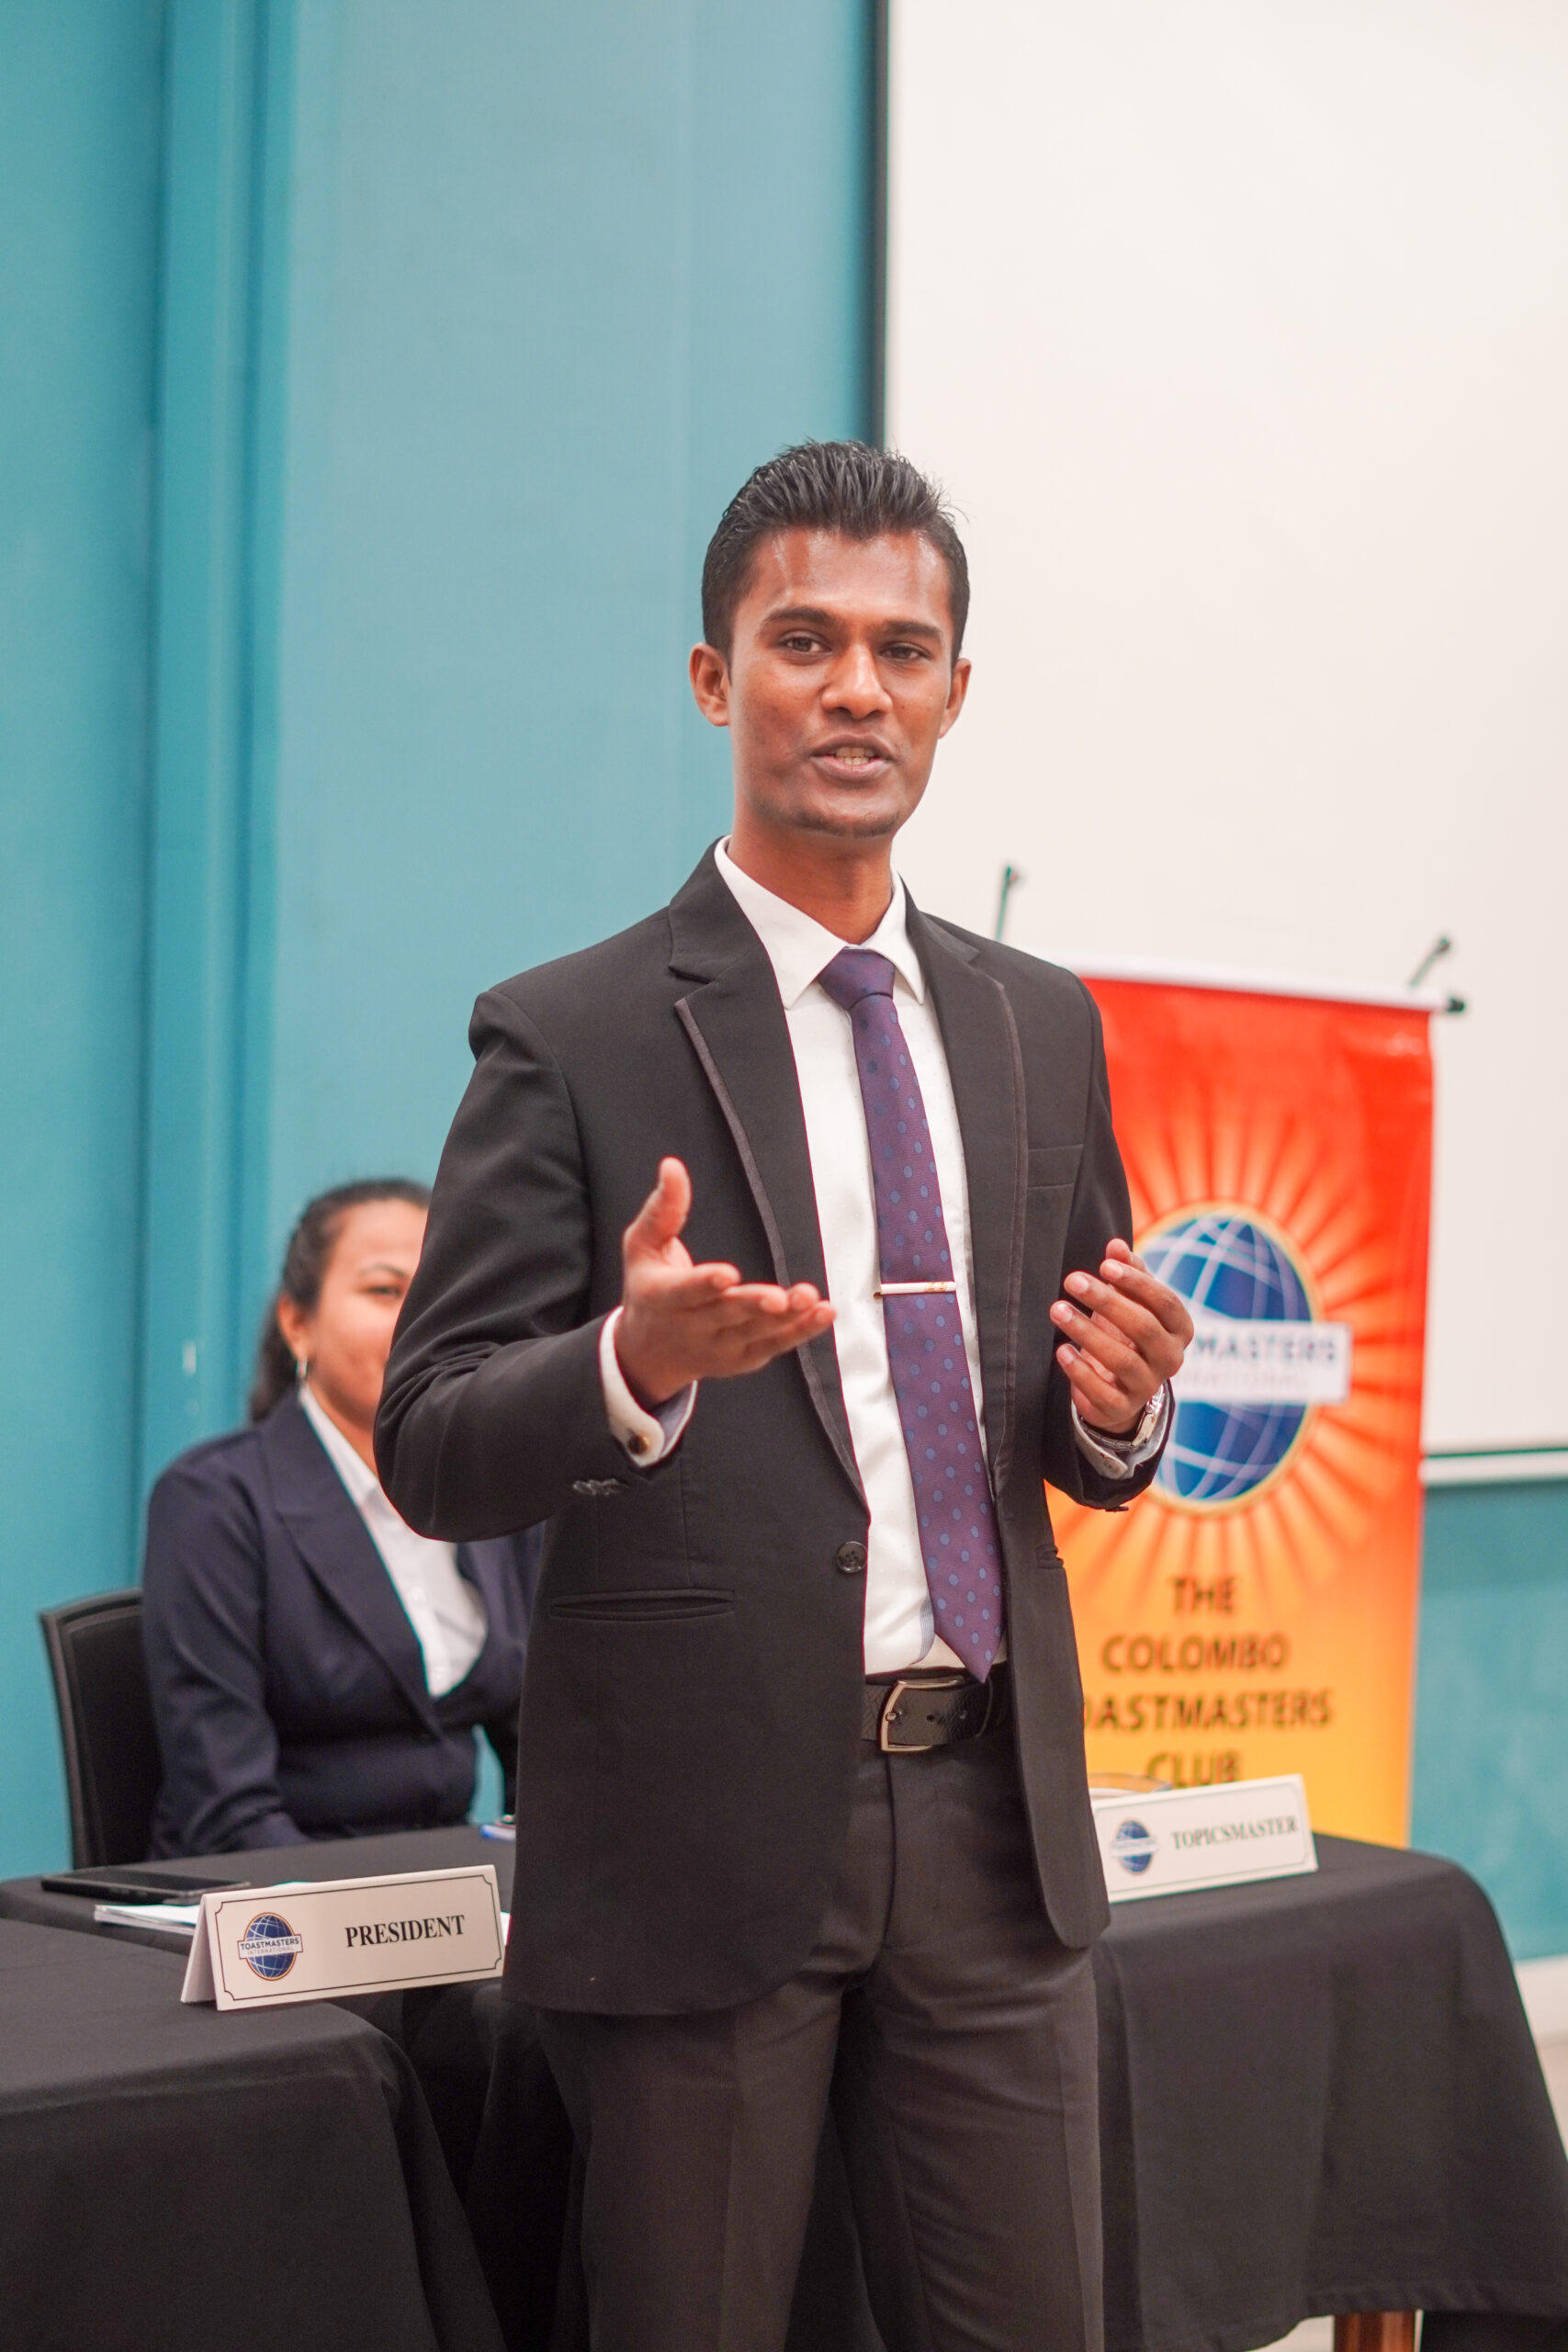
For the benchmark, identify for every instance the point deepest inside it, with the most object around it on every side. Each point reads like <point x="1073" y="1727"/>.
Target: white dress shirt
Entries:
<point x="899" y="1623"/>
<point x="446" y="1614"/>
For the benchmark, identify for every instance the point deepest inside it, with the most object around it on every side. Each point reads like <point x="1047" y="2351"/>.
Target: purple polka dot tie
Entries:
<point x="925" y="1338"/>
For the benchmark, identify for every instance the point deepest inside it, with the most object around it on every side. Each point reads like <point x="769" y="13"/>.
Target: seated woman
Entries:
<point x="317" y="1668"/>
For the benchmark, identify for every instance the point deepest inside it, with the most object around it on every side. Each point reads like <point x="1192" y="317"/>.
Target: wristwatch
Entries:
<point x="1148" y="1422"/>
<point x="1141" y="1436"/>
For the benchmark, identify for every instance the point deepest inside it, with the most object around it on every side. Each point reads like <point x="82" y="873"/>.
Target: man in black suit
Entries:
<point x="802" y="1807"/>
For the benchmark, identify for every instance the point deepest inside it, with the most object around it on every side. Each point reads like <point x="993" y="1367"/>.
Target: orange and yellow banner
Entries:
<point x="1255" y="1613"/>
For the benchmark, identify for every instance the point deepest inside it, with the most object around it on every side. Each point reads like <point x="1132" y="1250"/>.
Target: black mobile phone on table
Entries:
<point x="120" y="1884"/>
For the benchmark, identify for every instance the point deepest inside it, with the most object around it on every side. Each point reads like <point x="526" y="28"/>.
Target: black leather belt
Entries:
<point x="918" y="1711"/>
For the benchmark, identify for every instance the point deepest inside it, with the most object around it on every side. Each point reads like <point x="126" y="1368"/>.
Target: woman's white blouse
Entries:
<point x="446" y="1614"/>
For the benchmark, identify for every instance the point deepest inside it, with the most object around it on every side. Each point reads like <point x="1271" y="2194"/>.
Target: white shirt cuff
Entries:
<point x="1117" y="1457"/>
<point x="647" y="1437"/>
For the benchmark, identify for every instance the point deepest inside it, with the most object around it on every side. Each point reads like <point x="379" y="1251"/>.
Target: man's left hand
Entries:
<point x="1126" y="1335"/>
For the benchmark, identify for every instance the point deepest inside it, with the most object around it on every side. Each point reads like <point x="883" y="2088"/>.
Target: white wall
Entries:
<point x="1239" y="333"/>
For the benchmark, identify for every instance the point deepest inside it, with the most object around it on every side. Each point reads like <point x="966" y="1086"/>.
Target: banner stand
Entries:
<point x="1255" y="1613"/>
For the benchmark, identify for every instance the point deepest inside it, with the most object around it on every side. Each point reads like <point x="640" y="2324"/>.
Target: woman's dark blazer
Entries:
<point x="288" y="1682"/>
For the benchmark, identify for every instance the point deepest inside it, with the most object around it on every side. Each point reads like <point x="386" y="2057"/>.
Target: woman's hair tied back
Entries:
<point x="305" y="1262"/>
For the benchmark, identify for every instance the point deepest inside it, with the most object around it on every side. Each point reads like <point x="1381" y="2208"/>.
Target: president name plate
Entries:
<point x="263" y="1946"/>
<point x="1225" y="1835"/>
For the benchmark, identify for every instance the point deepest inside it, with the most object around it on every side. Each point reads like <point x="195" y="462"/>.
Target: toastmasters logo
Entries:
<point x="1261" y="1354"/>
<point x="1134" y="1846"/>
<point x="269" y="1946"/>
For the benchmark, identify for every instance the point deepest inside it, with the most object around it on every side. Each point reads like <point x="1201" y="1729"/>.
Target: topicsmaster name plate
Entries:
<point x="263" y="1946"/>
<point x="1223" y="1836"/>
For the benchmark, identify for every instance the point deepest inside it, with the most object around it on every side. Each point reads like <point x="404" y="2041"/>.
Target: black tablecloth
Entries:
<point x="1322" y="2095"/>
<point x="170" y="2177"/>
<point x="1319" y="2095"/>
<point x="478" y="2061"/>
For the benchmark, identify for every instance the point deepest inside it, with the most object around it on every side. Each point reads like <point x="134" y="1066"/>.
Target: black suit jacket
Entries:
<point x="288" y="1682"/>
<point x="690" y="1714"/>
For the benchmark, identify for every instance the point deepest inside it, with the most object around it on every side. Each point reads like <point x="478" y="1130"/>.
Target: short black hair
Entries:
<point x="843" y="486"/>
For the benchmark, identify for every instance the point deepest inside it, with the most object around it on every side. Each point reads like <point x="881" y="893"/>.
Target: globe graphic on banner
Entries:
<point x="1225" y="1264"/>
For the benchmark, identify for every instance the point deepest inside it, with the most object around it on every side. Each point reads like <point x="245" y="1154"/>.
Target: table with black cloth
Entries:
<point x="1321" y="2094"/>
<point x="1318" y="2095"/>
<point x="170" y="2177"/>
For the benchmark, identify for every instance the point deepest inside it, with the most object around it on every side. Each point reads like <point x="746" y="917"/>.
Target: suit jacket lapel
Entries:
<point x="985" y="1064"/>
<point x="738" y="1030"/>
<point x="336" y="1545"/>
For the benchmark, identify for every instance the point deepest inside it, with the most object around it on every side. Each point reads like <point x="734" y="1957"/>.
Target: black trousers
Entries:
<point x="956" y="2039"/>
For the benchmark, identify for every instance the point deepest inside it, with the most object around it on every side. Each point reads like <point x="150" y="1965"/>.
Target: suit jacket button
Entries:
<point x="849" y="1559"/>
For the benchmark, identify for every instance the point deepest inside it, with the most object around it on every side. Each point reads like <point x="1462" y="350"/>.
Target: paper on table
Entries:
<point x="180" y="1918"/>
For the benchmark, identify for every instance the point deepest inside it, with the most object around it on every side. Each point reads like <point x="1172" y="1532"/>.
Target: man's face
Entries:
<point x="839" y="683"/>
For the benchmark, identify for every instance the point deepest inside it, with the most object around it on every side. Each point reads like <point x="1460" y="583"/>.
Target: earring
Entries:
<point x="301" y="1372"/>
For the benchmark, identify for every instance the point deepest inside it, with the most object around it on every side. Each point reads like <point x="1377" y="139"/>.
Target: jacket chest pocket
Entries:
<point x="1053" y="1163"/>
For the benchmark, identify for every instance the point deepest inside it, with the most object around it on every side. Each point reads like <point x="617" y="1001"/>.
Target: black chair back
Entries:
<point x="112" y="1768"/>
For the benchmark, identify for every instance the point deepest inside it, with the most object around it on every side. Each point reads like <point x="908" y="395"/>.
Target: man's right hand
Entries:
<point x="680" y="1322"/>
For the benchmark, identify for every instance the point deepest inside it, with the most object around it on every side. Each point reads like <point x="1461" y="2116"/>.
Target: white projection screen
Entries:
<point x="1238" y="332"/>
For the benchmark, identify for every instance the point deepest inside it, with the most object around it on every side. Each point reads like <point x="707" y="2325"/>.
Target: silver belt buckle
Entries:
<point x="911" y="1746"/>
